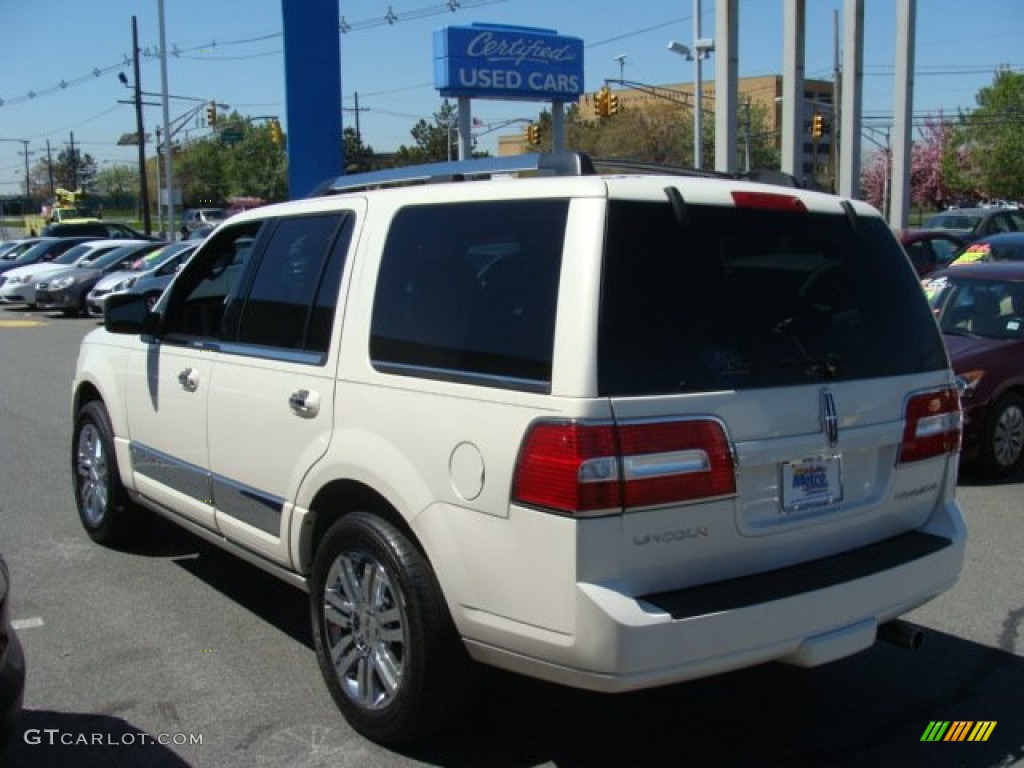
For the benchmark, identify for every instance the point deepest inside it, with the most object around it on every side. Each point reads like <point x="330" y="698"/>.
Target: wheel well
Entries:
<point x="339" y="498"/>
<point x="86" y="394"/>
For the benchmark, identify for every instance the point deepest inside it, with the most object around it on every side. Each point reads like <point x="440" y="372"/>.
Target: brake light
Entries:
<point x="934" y="424"/>
<point x="768" y="201"/>
<point x="588" y="468"/>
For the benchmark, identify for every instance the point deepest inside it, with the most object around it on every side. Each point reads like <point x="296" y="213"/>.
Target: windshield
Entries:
<point x="991" y="309"/>
<point x="115" y="256"/>
<point x="958" y="221"/>
<point x="34" y="251"/>
<point x="71" y="255"/>
<point x="156" y="258"/>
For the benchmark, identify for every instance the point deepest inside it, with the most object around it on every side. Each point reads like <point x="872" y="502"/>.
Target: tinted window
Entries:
<point x="739" y="299"/>
<point x="470" y="291"/>
<point x="196" y="305"/>
<point x="295" y="288"/>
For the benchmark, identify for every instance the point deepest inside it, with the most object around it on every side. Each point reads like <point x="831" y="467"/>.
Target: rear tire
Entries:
<point x="104" y="508"/>
<point x="387" y="647"/>
<point x="1002" y="446"/>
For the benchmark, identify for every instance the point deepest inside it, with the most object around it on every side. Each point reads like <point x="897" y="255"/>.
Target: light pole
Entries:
<point x="702" y="48"/>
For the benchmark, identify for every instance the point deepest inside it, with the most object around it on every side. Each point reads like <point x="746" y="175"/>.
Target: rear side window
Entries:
<point x="739" y="299"/>
<point x="468" y="292"/>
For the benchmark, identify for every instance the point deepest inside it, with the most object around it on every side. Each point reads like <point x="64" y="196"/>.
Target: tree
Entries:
<point x="995" y="136"/>
<point x="359" y="157"/>
<point x="71" y="170"/>
<point x="435" y="141"/>
<point x="118" y="185"/>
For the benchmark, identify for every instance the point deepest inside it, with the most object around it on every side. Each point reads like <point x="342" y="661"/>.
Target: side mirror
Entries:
<point x="126" y="313"/>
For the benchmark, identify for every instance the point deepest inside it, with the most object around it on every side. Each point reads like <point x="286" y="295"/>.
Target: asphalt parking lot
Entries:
<point x="176" y="640"/>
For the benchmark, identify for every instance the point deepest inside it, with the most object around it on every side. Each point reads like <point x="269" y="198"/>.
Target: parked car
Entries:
<point x="972" y="223"/>
<point x="12" y="662"/>
<point x="95" y="228"/>
<point x="160" y="264"/>
<point x="18" y="286"/>
<point x="980" y="309"/>
<point x="8" y="249"/>
<point x="41" y="250"/>
<point x="1006" y="247"/>
<point x="930" y="249"/>
<point x="612" y="431"/>
<point x="67" y="290"/>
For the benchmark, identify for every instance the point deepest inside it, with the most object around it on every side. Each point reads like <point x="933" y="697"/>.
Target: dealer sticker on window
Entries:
<point x="811" y="483"/>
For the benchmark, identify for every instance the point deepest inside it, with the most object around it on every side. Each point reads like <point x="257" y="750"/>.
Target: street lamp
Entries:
<point x="702" y="48"/>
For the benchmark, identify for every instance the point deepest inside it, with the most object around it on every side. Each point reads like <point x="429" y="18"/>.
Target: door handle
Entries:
<point x="189" y="379"/>
<point x="304" y="403"/>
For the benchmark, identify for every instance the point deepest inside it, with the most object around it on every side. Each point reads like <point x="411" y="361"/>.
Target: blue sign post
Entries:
<point x="492" y="61"/>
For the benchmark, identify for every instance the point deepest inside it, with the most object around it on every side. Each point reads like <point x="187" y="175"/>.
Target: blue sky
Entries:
<point x="232" y="51"/>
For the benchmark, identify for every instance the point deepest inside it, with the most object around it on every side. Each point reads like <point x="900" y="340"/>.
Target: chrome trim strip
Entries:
<point x="829" y="417"/>
<point x="253" y="507"/>
<point x="280" y="354"/>
<point x="649" y="465"/>
<point x="241" y="502"/>
<point x="463" y="377"/>
<point x="178" y="475"/>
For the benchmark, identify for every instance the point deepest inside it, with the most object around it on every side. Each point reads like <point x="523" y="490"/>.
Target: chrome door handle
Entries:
<point x="189" y="379"/>
<point x="304" y="403"/>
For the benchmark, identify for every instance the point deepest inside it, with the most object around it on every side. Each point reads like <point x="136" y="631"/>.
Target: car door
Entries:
<point x="167" y="386"/>
<point x="272" y="397"/>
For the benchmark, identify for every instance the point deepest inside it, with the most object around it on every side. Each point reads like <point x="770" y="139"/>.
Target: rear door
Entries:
<point x="272" y="397"/>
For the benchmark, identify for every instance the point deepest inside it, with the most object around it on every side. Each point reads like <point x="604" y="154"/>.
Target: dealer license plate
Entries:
<point x="811" y="483"/>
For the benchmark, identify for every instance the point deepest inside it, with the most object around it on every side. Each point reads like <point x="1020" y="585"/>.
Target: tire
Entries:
<point x="104" y="509"/>
<point x="402" y="672"/>
<point x="1002" y="447"/>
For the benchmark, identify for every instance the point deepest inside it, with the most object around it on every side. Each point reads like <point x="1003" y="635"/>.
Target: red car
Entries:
<point x="980" y="309"/>
<point x="930" y="249"/>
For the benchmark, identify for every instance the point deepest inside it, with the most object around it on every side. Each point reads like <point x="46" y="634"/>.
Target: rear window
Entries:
<point x="468" y="292"/>
<point x="741" y="299"/>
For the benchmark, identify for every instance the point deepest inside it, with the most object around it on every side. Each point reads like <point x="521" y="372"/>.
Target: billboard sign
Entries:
<point x="491" y="61"/>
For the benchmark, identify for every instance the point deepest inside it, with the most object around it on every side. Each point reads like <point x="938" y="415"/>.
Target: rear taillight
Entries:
<point x="581" y="468"/>
<point x="934" y="424"/>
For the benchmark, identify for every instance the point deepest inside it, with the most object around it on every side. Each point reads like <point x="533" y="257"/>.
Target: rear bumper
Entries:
<point x="805" y="615"/>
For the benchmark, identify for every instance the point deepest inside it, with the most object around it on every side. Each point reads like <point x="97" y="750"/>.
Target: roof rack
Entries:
<point x="539" y="163"/>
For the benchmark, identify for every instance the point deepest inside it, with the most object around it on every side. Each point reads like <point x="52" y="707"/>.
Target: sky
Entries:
<point x="59" y="62"/>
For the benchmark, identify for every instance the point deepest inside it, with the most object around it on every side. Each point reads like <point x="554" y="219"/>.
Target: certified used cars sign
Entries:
<point x="501" y="62"/>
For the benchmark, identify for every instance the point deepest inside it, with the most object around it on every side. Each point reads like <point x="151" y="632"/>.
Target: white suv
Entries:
<point x="612" y="431"/>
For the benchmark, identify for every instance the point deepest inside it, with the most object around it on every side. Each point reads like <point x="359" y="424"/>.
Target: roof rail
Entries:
<point x="626" y="165"/>
<point x="542" y="164"/>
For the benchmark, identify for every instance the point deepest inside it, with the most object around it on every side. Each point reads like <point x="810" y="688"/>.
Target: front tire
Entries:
<point x="104" y="509"/>
<point x="1002" y="448"/>
<point x="386" y="644"/>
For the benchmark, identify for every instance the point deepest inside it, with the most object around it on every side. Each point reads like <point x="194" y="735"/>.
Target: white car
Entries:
<point x="612" y="431"/>
<point x="19" y="284"/>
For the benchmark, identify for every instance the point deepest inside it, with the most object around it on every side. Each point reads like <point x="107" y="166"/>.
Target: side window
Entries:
<point x="196" y="305"/>
<point x="294" y="290"/>
<point x="468" y="291"/>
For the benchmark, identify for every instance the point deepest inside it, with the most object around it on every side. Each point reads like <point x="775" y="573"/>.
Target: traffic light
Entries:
<point x="817" y="126"/>
<point x="602" y="102"/>
<point x="211" y="114"/>
<point x="276" y="135"/>
<point x="533" y="134"/>
<point x="613" y="104"/>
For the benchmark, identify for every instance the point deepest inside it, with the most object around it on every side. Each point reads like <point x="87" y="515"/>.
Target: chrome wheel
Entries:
<point x="366" y="629"/>
<point x="93" y="474"/>
<point x="1008" y="435"/>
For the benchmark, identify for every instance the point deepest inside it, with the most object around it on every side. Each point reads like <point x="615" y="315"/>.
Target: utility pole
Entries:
<point x="141" y="133"/>
<point x="49" y="168"/>
<point x="73" y="163"/>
